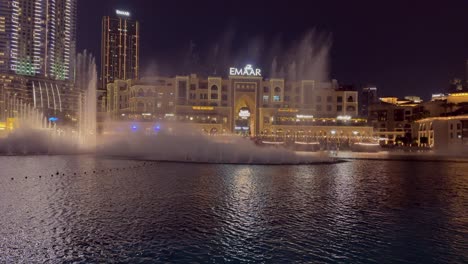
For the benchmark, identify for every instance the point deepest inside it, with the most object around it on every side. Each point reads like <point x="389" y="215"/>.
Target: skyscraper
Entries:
<point x="38" y="38"/>
<point x="120" y="48"/>
<point x="367" y="98"/>
<point x="37" y="53"/>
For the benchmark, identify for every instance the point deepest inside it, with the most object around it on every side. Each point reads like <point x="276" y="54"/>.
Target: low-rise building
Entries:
<point x="392" y="119"/>
<point x="445" y="134"/>
<point x="244" y="103"/>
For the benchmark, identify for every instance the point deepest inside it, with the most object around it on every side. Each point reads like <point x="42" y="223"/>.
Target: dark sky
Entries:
<point x="403" y="47"/>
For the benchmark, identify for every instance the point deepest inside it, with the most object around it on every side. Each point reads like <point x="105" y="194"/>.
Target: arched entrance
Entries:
<point x="244" y="115"/>
<point x="242" y="121"/>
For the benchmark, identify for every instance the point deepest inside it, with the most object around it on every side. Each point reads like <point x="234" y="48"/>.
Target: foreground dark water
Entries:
<point x="359" y="212"/>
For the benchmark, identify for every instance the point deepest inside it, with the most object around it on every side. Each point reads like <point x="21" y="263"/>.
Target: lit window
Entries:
<point x="276" y="98"/>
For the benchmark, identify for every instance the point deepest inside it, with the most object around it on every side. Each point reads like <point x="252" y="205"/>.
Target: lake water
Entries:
<point x="362" y="211"/>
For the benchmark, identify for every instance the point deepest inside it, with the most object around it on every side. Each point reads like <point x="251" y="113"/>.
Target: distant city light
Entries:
<point x="341" y="117"/>
<point x="122" y="13"/>
<point x="305" y="116"/>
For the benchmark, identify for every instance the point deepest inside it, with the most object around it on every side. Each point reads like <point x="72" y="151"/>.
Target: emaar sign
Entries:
<point x="122" y="13"/>
<point x="248" y="70"/>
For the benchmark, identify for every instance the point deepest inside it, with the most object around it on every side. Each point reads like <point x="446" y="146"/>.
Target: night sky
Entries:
<point x="403" y="47"/>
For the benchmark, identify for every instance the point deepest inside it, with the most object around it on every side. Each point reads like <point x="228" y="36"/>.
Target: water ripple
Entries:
<point x="136" y="212"/>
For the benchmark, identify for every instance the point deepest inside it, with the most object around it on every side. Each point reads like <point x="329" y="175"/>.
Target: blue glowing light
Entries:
<point x="157" y="128"/>
<point x="134" y="127"/>
<point x="53" y="119"/>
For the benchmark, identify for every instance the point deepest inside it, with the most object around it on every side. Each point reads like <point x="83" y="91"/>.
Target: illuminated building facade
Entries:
<point x="120" y="47"/>
<point x="445" y="134"/>
<point x="38" y="38"/>
<point x="37" y="54"/>
<point x="242" y="103"/>
<point x="392" y="119"/>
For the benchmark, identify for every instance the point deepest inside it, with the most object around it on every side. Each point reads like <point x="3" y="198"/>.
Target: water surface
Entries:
<point x="127" y="211"/>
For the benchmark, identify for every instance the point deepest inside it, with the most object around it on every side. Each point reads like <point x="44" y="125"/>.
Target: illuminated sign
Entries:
<point x="248" y="70"/>
<point x="305" y="116"/>
<point x="244" y="114"/>
<point x="202" y="108"/>
<point x="122" y="13"/>
<point x="289" y="110"/>
<point x="343" y="117"/>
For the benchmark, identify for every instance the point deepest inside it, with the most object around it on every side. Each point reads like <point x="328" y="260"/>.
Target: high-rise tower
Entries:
<point x="120" y="48"/>
<point x="38" y="38"/>
<point x="37" y="55"/>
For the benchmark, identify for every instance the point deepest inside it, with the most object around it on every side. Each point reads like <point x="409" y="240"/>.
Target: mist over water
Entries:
<point x="187" y="144"/>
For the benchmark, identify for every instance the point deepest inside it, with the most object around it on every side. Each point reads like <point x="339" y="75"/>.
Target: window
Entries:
<point x="266" y="89"/>
<point x="318" y="99"/>
<point x="451" y="126"/>
<point x="329" y="108"/>
<point x="224" y="97"/>
<point x="339" y="99"/>
<point x="276" y="98"/>
<point x="399" y="115"/>
<point x="458" y="126"/>
<point x="339" y="108"/>
<point x="214" y="96"/>
<point x="329" y="99"/>
<point x="318" y="108"/>
<point x="350" y="99"/>
<point x="277" y="90"/>
<point x="265" y="99"/>
<point x="286" y="98"/>
<point x="214" y="88"/>
<point x="382" y="115"/>
<point x="350" y="108"/>
<point x="141" y="93"/>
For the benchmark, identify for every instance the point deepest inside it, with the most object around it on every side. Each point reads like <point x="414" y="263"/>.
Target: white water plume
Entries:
<point x="34" y="133"/>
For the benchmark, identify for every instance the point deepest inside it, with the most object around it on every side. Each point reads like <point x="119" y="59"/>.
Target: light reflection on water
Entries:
<point x="360" y="211"/>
